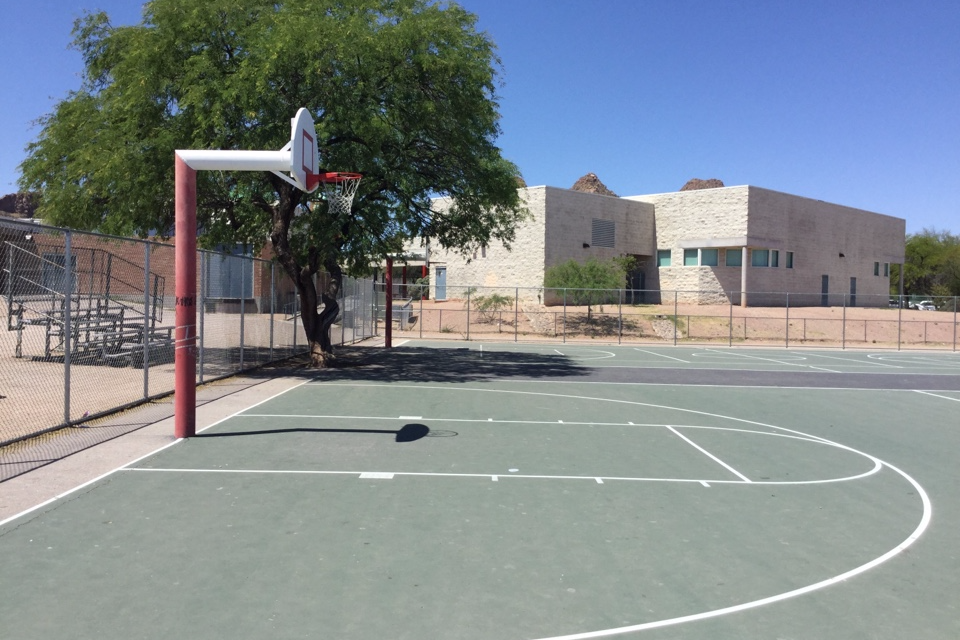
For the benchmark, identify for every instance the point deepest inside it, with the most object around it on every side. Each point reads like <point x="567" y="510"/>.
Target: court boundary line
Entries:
<point x="754" y="604"/>
<point x="495" y="477"/>
<point x="143" y="457"/>
<point x="927" y="393"/>
<point x="915" y="535"/>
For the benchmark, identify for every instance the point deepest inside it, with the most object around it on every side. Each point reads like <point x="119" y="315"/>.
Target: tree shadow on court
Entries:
<point x="464" y="365"/>
<point x="406" y="433"/>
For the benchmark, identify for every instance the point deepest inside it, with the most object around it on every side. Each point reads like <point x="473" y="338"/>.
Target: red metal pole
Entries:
<point x="388" y="343"/>
<point x="185" y="334"/>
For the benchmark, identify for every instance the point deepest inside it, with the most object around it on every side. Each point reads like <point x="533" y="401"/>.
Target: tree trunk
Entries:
<point x="316" y="324"/>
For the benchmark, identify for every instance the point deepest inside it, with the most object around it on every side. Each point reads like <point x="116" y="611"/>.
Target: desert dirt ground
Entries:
<point x="849" y="327"/>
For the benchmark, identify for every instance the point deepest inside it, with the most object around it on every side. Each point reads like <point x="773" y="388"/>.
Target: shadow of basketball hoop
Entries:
<point x="407" y="433"/>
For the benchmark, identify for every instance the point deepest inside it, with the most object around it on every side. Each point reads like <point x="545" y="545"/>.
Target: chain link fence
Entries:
<point x="663" y="317"/>
<point x="90" y="324"/>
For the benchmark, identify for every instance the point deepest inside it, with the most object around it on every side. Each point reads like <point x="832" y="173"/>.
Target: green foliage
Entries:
<point x="591" y="282"/>
<point x="422" y="289"/>
<point x="403" y="91"/>
<point x="489" y="306"/>
<point x="932" y="265"/>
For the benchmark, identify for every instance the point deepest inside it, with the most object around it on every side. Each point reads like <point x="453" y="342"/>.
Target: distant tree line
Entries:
<point x="932" y="265"/>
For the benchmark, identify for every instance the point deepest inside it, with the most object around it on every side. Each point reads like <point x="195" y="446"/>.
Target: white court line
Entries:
<point x="558" y="351"/>
<point x="715" y="613"/>
<point x="857" y="362"/>
<point x="708" y="454"/>
<point x="654" y="353"/>
<point x="143" y="457"/>
<point x="927" y="393"/>
<point x="303" y="416"/>
<point x="736" y="386"/>
<point x="496" y="477"/>
<point x="790" y="364"/>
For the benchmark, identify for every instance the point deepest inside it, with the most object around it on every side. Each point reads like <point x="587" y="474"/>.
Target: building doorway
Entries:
<point x="441" y="284"/>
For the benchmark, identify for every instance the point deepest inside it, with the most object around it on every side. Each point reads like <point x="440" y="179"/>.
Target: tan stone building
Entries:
<point x="744" y="245"/>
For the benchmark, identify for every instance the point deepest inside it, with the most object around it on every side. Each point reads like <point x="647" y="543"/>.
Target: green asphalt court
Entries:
<point x="526" y="492"/>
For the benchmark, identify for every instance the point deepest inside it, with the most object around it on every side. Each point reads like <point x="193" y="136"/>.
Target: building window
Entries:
<point x="774" y="258"/>
<point x="734" y="258"/>
<point x="663" y="258"/>
<point x="690" y="257"/>
<point x="876" y="268"/>
<point x="603" y="233"/>
<point x="760" y="258"/>
<point x="886" y="269"/>
<point x="709" y="257"/>
<point x="789" y="259"/>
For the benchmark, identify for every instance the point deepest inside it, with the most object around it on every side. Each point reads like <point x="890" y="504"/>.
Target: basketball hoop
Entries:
<point x="339" y="189"/>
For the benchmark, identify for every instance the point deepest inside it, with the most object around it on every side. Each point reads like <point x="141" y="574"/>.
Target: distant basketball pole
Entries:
<point x="388" y="305"/>
<point x="300" y="158"/>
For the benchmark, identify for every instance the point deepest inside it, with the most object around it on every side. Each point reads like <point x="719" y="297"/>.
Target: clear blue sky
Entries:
<point x="856" y="103"/>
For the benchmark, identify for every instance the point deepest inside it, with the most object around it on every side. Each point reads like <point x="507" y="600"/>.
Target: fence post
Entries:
<point x="787" y="328"/>
<point x="676" y="316"/>
<point x="843" y="327"/>
<point x="564" y="315"/>
<point x="10" y="287"/>
<point x="468" y="313"/>
<point x="202" y="313"/>
<point x="899" y="318"/>
<point x="420" y="318"/>
<point x="619" y="315"/>
<point x="342" y="292"/>
<point x="516" y="314"/>
<point x="243" y="308"/>
<point x="296" y="314"/>
<point x="67" y="325"/>
<point x="273" y="297"/>
<point x="954" y="323"/>
<point x="730" y="340"/>
<point x="146" y="316"/>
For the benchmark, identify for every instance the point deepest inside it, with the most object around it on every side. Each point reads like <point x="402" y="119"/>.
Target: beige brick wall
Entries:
<point x="693" y="219"/>
<point x="726" y="219"/>
<point x="816" y="232"/>
<point x="559" y="224"/>
<point x="570" y="216"/>
<point x="519" y="266"/>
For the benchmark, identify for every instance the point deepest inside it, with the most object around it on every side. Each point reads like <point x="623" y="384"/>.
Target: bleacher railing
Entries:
<point x="89" y="326"/>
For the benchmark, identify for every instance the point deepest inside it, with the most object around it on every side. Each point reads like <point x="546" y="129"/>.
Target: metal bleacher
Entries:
<point x="102" y="303"/>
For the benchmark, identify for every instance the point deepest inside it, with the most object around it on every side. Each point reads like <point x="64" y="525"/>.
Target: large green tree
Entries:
<point x="932" y="265"/>
<point x="402" y="91"/>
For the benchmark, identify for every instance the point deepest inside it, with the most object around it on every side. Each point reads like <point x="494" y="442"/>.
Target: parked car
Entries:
<point x="926" y="305"/>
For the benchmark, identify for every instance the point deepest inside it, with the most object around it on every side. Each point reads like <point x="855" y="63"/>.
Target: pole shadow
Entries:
<point x="407" y="433"/>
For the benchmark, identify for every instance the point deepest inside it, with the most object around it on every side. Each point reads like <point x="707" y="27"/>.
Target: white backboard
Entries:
<point x="305" y="157"/>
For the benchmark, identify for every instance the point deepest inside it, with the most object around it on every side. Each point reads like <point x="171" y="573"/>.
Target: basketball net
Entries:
<point x="339" y="190"/>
